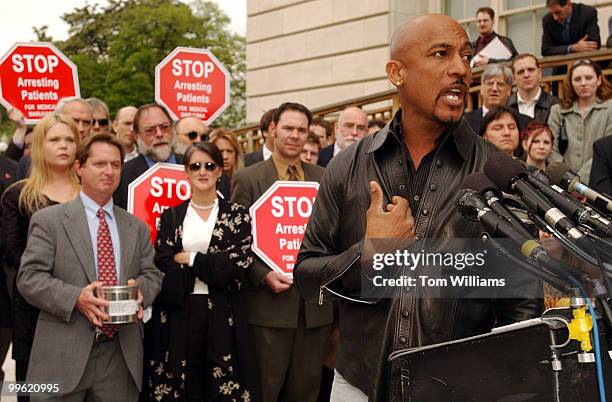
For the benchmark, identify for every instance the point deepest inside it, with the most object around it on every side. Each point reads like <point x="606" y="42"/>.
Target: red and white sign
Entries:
<point x="34" y="77"/>
<point x="192" y="82"/>
<point x="279" y="219"/>
<point x="164" y="185"/>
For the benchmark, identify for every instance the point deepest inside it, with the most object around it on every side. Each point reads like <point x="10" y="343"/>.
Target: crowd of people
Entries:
<point x="224" y="326"/>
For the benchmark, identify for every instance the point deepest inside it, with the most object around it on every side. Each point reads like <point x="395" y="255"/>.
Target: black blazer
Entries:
<point x="15" y="223"/>
<point x="506" y="41"/>
<point x="601" y="169"/>
<point x="8" y="172"/>
<point x="223" y="269"/>
<point x="23" y="170"/>
<point x="253" y="157"/>
<point x="326" y="155"/>
<point x="584" y="22"/>
<point x="542" y="107"/>
<point x="130" y="172"/>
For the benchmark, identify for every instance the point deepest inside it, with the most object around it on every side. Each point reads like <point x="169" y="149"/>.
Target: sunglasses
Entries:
<point x="582" y="62"/>
<point x="196" y="166"/>
<point x="192" y="135"/>
<point x="100" y="122"/>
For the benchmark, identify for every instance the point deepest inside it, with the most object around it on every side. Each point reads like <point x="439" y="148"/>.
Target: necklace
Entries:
<point x="203" y="207"/>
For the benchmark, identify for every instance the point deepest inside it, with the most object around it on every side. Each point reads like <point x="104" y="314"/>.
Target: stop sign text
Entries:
<point x="34" y="77"/>
<point x="192" y="82"/>
<point x="280" y="217"/>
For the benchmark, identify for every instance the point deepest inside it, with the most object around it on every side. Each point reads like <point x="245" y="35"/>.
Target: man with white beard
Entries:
<point x="155" y="139"/>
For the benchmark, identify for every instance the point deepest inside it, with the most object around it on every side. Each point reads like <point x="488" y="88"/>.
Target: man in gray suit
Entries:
<point x="73" y="248"/>
<point x="289" y="333"/>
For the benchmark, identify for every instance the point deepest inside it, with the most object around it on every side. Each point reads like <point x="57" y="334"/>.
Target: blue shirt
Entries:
<point x="91" y="210"/>
<point x="151" y="162"/>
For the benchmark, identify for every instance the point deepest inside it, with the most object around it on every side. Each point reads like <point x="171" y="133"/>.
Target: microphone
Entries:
<point x="509" y="175"/>
<point x="473" y="207"/>
<point x="561" y="175"/>
<point x="480" y="183"/>
<point x="571" y="207"/>
<point x="538" y="174"/>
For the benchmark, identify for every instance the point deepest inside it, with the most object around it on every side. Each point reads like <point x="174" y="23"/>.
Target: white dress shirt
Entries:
<point x="528" y="108"/>
<point x="197" y="233"/>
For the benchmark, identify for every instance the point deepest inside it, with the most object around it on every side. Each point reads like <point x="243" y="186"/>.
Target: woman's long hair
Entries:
<point x="604" y="92"/>
<point x="223" y="133"/>
<point x="31" y="198"/>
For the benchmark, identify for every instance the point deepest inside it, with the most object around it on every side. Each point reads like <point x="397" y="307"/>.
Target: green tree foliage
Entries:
<point x="116" y="48"/>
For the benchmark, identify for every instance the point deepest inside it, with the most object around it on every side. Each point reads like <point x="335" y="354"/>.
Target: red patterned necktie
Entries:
<point x="106" y="264"/>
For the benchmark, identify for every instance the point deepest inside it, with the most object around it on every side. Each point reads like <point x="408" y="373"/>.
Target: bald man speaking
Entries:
<point x="400" y="183"/>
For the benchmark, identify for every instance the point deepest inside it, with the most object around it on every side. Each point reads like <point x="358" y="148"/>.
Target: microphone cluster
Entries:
<point x="582" y="228"/>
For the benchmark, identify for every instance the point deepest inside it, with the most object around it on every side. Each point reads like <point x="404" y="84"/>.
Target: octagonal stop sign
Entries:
<point x="192" y="82"/>
<point x="279" y="219"/>
<point x="34" y="77"/>
<point x="164" y="185"/>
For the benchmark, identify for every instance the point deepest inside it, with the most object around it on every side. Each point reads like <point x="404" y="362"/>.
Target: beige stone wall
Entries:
<point x="319" y="52"/>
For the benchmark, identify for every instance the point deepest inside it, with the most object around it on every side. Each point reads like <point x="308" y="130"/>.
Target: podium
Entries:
<point x="509" y="364"/>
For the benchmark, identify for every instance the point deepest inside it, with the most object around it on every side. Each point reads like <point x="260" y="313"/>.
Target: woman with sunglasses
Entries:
<point x="227" y="143"/>
<point x="196" y="345"/>
<point x="583" y="116"/>
<point x="52" y="180"/>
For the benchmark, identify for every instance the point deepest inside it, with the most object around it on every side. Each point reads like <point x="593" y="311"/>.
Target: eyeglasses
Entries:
<point x="151" y="131"/>
<point x="196" y="166"/>
<point x="192" y="135"/>
<point x="492" y="83"/>
<point x="353" y="126"/>
<point x="100" y="122"/>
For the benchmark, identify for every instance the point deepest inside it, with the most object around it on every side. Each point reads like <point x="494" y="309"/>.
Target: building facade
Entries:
<point x="321" y="52"/>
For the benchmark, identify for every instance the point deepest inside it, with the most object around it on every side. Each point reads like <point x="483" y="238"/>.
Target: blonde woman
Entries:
<point x="226" y="141"/>
<point x="52" y="180"/>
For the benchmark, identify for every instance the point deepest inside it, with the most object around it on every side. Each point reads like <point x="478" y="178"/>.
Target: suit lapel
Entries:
<point x="128" y="244"/>
<point x="270" y="175"/>
<point x="77" y="230"/>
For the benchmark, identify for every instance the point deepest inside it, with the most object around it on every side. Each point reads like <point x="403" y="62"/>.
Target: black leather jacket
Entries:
<point x="329" y="259"/>
<point x="542" y="107"/>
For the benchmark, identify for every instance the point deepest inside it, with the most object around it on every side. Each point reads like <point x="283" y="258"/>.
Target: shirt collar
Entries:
<point x="151" y="162"/>
<point x="91" y="207"/>
<point x="266" y="152"/>
<point x="461" y="137"/>
<point x="281" y="168"/>
<point x="535" y="100"/>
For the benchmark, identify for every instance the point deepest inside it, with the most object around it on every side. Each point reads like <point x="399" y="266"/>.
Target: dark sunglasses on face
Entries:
<point x="196" y="166"/>
<point x="101" y="122"/>
<point x="194" y="134"/>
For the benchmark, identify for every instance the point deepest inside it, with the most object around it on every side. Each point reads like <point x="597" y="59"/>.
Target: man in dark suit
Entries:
<point x="484" y="23"/>
<point x="289" y="333"/>
<point x="73" y="249"/>
<point x="569" y="28"/>
<point x="601" y="169"/>
<point x="495" y="90"/>
<point x="154" y="135"/>
<point x="352" y="125"/>
<point x="8" y="172"/>
<point x="265" y="152"/>
<point x="529" y="99"/>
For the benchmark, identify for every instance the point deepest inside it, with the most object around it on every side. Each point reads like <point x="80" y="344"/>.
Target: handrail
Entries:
<point x="250" y="139"/>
